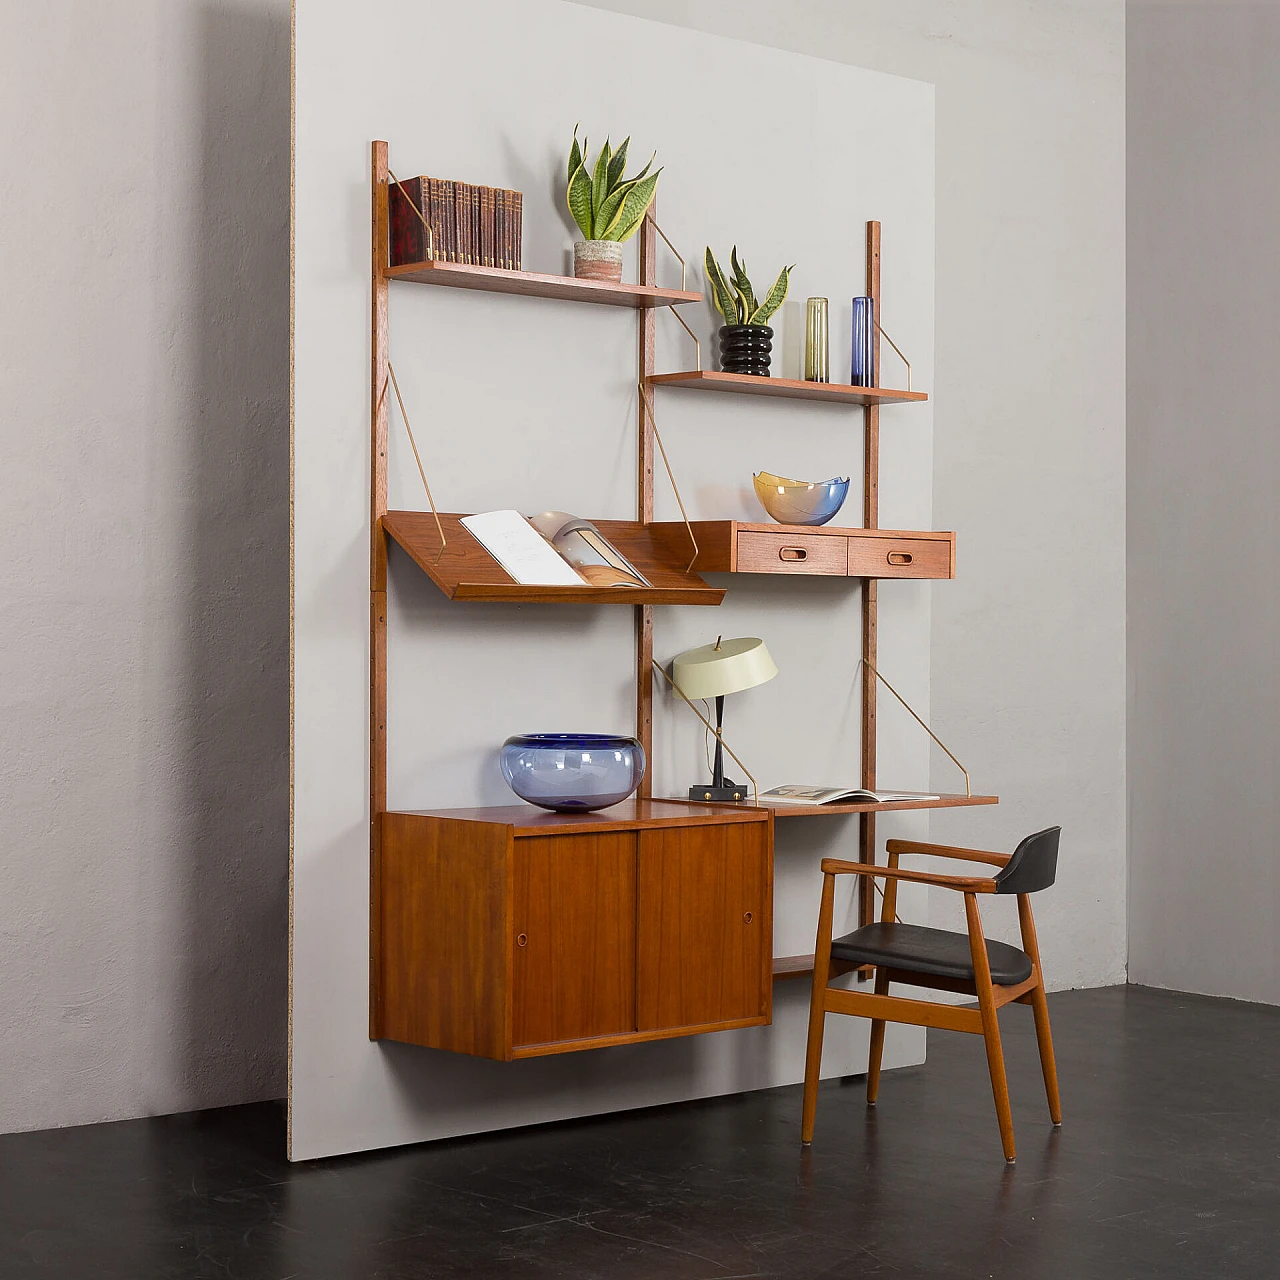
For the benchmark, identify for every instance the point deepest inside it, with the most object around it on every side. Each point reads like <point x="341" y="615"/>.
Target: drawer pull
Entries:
<point x="792" y="553"/>
<point x="900" y="557"/>
<point x="522" y="939"/>
<point x="746" y="916"/>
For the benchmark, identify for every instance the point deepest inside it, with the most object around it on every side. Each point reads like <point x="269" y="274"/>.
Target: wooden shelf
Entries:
<point x="893" y="806"/>
<point x="631" y="815"/>
<point x="458" y="275"/>
<point x="785" y="967"/>
<point x="466" y="571"/>
<point x="735" y="546"/>
<point x="747" y="384"/>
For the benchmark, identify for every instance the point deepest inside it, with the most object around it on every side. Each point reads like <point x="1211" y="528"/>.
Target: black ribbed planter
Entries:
<point x="746" y="348"/>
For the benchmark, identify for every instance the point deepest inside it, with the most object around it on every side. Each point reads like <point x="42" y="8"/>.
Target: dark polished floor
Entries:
<point x="1168" y="1166"/>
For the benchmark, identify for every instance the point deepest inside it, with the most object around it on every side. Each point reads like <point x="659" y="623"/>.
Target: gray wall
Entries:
<point x="1204" y="461"/>
<point x="1028" y="653"/>
<point x="142" y="748"/>
<point x="144" y="586"/>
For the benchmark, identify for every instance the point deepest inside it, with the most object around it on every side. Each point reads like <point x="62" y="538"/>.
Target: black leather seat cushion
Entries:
<point x="933" y="951"/>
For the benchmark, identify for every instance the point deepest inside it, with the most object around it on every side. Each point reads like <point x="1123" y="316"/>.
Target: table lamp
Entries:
<point x="711" y="671"/>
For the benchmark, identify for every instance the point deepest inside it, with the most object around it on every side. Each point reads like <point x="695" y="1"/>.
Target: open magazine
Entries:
<point x="794" y="793"/>
<point x="553" y="549"/>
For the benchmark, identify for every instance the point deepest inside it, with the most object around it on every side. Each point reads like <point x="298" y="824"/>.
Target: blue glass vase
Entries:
<point x="863" y="364"/>
<point x="572" y="772"/>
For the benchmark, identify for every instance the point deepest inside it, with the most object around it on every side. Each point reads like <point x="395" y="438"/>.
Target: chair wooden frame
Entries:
<point x="880" y="1007"/>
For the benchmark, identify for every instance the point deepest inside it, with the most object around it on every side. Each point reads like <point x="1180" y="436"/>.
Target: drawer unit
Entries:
<point x="732" y="546"/>
<point x="896" y="555"/>
<point x="789" y="552"/>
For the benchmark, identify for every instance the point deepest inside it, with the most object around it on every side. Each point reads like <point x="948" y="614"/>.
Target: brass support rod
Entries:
<point x="413" y="444"/>
<point x="675" y="488"/>
<point x="968" y="790"/>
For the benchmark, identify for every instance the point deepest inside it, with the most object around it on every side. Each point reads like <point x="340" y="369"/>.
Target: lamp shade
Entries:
<point x="728" y="666"/>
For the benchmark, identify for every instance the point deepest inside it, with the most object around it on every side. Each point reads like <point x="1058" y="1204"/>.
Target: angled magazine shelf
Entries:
<point x="466" y="571"/>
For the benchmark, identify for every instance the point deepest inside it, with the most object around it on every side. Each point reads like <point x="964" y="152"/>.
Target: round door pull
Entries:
<point x="522" y="939"/>
<point x="746" y="916"/>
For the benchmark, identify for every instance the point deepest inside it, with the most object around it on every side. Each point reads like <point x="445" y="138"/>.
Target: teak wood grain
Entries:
<point x="786" y="388"/>
<point x="871" y="589"/>
<point x="736" y="546"/>
<point x="446" y="938"/>
<point x="575" y="924"/>
<point x="511" y="932"/>
<point x="531" y="284"/>
<point x="644" y="493"/>
<point x="466" y="571"/>
<point x="378" y="428"/>
<point x="705" y="933"/>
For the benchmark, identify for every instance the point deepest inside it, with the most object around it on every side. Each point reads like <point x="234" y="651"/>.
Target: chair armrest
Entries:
<point x="947" y="851"/>
<point x="963" y="884"/>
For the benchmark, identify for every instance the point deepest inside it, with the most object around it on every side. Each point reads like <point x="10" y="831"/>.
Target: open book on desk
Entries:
<point x="553" y="549"/>
<point x="795" y="793"/>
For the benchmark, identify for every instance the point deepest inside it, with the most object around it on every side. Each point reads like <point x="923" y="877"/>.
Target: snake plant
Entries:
<point x="604" y="204"/>
<point x="734" y="297"/>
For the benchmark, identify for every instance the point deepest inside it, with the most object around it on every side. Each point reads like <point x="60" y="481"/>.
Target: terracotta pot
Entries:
<point x="598" y="260"/>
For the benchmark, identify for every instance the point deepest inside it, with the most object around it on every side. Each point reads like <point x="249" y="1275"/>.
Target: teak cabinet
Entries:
<point x="513" y="933"/>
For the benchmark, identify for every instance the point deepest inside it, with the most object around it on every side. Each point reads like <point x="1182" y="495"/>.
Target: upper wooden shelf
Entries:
<point x="466" y="571"/>
<point x="892" y="806"/>
<point x="458" y="275"/>
<point x="788" y="388"/>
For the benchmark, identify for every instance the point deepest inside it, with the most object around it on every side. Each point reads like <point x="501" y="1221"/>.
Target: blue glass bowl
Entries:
<point x="799" y="501"/>
<point x="572" y="772"/>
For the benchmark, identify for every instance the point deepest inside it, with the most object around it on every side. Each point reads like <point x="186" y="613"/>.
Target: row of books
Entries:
<point x="475" y="225"/>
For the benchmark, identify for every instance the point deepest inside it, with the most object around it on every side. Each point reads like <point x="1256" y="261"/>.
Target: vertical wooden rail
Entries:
<point x="644" y="502"/>
<point x="870" y="589"/>
<point x="378" y="417"/>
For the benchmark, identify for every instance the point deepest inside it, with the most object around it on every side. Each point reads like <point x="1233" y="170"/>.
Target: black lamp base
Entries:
<point x="725" y="794"/>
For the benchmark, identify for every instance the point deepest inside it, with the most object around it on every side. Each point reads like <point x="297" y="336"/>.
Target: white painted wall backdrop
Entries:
<point x="178" y="115"/>
<point x="1028" y="648"/>
<point x="532" y="404"/>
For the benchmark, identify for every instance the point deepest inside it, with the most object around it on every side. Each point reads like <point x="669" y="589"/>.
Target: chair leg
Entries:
<point x="876" y="1052"/>
<point x="1040" y="1008"/>
<point x="817" y="1009"/>
<point x="990" y="1026"/>
<point x="1044" y="1038"/>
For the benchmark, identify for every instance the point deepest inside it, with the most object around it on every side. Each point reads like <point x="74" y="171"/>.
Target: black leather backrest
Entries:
<point x="1034" y="864"/>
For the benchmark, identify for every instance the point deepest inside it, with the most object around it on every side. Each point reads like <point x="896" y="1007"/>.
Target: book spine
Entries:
<point x="517" y="249"/>
<point x="450" y="222"/>
<point x="487" y="226"/>
<point x="477" y="241"/>
<point x="463" y="222"/>
<point x="397" y="225"/>
<point x="500" y="203"/>
<point x="433" y="216"/>
<point x="418" y="194"/>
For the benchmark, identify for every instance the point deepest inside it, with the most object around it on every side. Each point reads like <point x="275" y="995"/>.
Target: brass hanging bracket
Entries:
<point x="968" y="790"/>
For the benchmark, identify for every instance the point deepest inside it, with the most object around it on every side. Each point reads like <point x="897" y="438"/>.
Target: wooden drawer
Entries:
<point x="792" y="553"/>
<point x="873" y="555"/>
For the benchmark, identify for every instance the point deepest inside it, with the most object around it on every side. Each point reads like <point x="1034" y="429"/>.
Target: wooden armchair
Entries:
<point x="994" y="972"/>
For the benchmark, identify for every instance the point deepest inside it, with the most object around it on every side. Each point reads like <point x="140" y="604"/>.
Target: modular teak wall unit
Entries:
<point x="510" y="932"/>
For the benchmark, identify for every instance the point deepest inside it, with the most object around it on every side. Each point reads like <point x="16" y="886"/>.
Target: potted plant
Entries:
<point x="746" y="340"/>
<point x="607" y="207"/>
